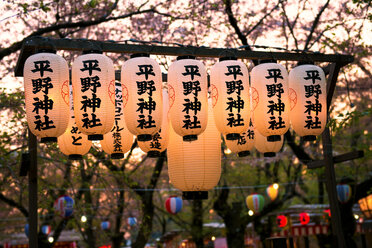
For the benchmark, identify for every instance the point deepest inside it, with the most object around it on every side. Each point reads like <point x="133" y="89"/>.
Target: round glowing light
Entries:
<point x="50" y="239"/>
<point x="356" y="216"/>
<point x="83" y="218"/>
<point x="213" y="238"/>
<point x="250" y="213"/>
<point x="183" y="244"/>
<point x="276" y="186"/>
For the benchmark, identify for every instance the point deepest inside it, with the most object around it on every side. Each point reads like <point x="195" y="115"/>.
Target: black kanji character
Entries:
<point x="276" y="124"/>
<point x="145" y="70"/>
<point x="232" y="121"/>
<point x="313" y="75"/>
<point x="250" y="134"/>
<point x="93" y="103"/>
<point x="236" y="104"/>
<point x="90" y="65"/>
<point x="42" y="66"/>
<point x="94" y="122"/>
<point x="315" y="107"/>
<point x="192" y="70"/>
<point x="193" y="106"/>
<point x="191" y="124"/>
<point x="312" y="90"/>
<point x="75" y="140"/>
<point x="143" y="123"/>
<point x="145" y="86"/>
<point x="242" y="140"/>
<point x="88" y="82"/>
<point x="191" y="87"/>
<point x="277" y="107"/>
<point x="274" y="73"/>
<point x="40" y="125"/>
<point x="149" y="105"/>
<point x="45" y="104"/>
<point x="274" y="89"/>
<point x="233" y="86"/>
<point x="234" y="70"/>
<point x="41" y="83"/>
<point x="310" y="124"/>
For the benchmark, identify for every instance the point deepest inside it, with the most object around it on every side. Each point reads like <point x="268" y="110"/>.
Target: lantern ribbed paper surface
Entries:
<point x="267" y="148"/>
<point x="119" y="140"/>
<point x="244" y="143"/>
<point x="195" y="166"/>
<point x="187" y="89"/>
<point x="46" y="81"/>
<point x="142" y="85"/>
<point x="308" y="100"/>
<point x="255" y="202"/>
<point x="343" y="192"/>
<point x="159" y="141"/>
<point x="230" y="96"/>
<point x="269" y="82"/>
<point x="93" y="81"/>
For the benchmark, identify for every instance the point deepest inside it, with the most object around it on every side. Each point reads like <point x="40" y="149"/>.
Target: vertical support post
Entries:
<point x="329" y="165"/>
<point x="32" y="191"/>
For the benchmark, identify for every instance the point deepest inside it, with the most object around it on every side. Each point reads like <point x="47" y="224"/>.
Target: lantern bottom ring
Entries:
<point x="274" y="138"/>
<point x="309" y="138"/>
<point x="75" y="157"/>
<point x="144" y="137"/>
<point x="190" y="137"/>
<point x="232" y="136"/>
<point x="153" y="154"/>
<point x="269" y="154"/>
<point x="48" y="139"/>
<point x="195" y="195"/>
<point x="117" y="155"/>
<point x="243" y="154"/>
<point x="95" y="137"/>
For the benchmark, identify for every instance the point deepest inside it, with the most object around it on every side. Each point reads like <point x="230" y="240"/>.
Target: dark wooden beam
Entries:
<point x="337" y="159"/>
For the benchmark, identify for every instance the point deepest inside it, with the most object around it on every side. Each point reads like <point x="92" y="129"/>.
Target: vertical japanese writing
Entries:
<point x="155" y="142"/>
<point x="234" y="103"/>
<point x="276" y="106"/>
<point x="312" y="107"/>
<point x="116" y="130"/>
<point x="146" y="104"/>
<point x="90" y="103"/>
<point x="191" y="104"/>
<point x="42" y="105"/>
<point x="76" y="135"/>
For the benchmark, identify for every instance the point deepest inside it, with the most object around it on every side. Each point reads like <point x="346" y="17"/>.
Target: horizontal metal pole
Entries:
<point x="337" y="159"/>
<point x="34" y="43"/>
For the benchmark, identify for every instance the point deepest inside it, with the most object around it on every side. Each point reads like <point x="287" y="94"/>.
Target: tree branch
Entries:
<point x="297" y="150"/>
<point x="13" y="203"/>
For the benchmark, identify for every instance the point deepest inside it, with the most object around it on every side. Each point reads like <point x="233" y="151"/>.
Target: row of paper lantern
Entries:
<point x="45" y="229"/>
<point x="256" y="202"/>
<point x="275" y="97"/>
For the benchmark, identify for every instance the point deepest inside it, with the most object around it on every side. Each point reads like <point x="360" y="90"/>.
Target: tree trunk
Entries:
<point x="197" y="223"/>
<point x="146" y="225"/>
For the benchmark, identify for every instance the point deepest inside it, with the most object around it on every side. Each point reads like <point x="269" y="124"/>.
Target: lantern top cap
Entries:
<point x="265" y="61"/>
<point x="89" y="51"/>
<point x="137" y="55"/>
<point x="305" y="63"/>
<point x="228" y="58"/>
<point x="185" y="57"/>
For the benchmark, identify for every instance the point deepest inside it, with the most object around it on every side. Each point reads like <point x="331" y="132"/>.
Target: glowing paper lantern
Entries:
<point x="269" y="83"/>
<point x="27" y="229"/>
<point x="243" y="144"/>
<point x="187" y="84"/>
<point x="93" y="81"/>
<point x="159" y="141"/>
<point x="267" y="148"/>
<point x="272" y="191"/>
<point x="132" y="221"/>
<point x="230" y="95"/>
<point x="282" y="220"/>
<point x="255" y="202"/>
<point x="46" y="78"/>
<point x="308" y="100"/>
<point x="73" y="143"/>
<point x="119" y="140"/>
<point x="46" y="229"/>
<point x="64" y="206"/>
<point x="105" y="225"/>
<point x="173" y="204"/>
<point x="304" y="218"/>
<point x="141" y="80"/>
<point x="343" y="192"/>
<point x="195" y="167"/>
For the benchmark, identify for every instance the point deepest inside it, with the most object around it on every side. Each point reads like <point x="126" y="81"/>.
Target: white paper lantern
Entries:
<point x="93" y="81"/>
<point x="159" y="141"/>
<point x="195" y="167"/>
<point x="46" y="81"/>
<point x="187" y="88"/>
<point x="119" y="140"/>
<point x="308" y="100"/>
<point x="244" y="144"/>
<point x="141" y="80"/>
<point x="267" y="148"/>
<point x="230" y="95"/>
<point x="269" y="82"/>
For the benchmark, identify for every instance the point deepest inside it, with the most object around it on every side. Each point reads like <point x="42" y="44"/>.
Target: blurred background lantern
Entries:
<point x="267" y="148"/>
<point x="282" y="220"/>
<point x="195" y="167"/>
<point x="187" y="89"/>
<point x="231" y="104"/>
<point x="308" y="100"/>
<point x="105" y="225"/>
<point x="46" y="229"/>
<point x="173" y="204"/>
<point x="160" y="139"/>
<point x="269" y="82"/>
<point x="93" y="81"/>
<point x="73" y="143"/>
<point x="141" y="80"/>
<point x="132" y="221"/>
<point x="365" y="205"/>
<point x="272" y="191"/>
<point x="255" y="202"/>
<point x="244" y="144"/>
<point x="343" y="192"/>
<point x="304" y="218"/>
<point x="27" y="229"/>
<point x="46" y="82"/>
<point x="64" y="206"/>
<point x="119" y="140"/>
